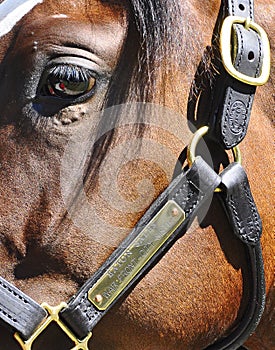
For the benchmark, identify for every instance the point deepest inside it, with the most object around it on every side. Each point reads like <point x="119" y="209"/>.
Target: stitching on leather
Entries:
<point x="231" y="202"/>
<point x="252" y="207"/>
<point x="237" y="220"/>
<point x="190" y="193"/>
<point x="250" y="9"/>
<point x="224" y="125"/>
<point x="14" y="320"/>
<point x="250" y="236"/>
<point x="242" y="50"/>
<point x="11" y="291"/>
<point x="14" y="293"/>
<point x="233" y="7"/>
<point x="249" y="102"/>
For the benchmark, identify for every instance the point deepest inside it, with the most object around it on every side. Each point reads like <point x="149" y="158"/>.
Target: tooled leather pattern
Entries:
<point x="235" y="115"/>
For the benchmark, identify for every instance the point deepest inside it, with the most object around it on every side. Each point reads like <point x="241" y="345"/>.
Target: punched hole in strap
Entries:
<point x="242" y="7"/>
<point x="251" y="56"/>
<point x="226" y="50"/>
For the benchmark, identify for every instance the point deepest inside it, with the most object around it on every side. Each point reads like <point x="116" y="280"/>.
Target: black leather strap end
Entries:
<point x="18" y="311"/>
<point x="240" y="205"/>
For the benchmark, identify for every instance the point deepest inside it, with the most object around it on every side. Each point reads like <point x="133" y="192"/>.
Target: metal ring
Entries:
<point x="237" y="154"/>
<point x="191" y="149"/>
<point x="198" y="135"/>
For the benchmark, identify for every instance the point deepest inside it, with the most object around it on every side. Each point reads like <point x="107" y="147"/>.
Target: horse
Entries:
<point x="125" y="53"/>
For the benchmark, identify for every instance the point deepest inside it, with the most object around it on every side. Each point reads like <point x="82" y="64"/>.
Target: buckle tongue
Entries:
<point x="53" y="316"/>
<point x="225" y="46"/>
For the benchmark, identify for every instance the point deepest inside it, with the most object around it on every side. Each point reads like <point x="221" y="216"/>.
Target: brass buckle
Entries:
<point x="225" y="46"/>
<point x="53" y="316"/>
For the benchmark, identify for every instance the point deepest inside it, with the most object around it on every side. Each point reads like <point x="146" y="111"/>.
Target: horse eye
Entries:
<point x="67" y="81"/>
<point x="63" y="88"/>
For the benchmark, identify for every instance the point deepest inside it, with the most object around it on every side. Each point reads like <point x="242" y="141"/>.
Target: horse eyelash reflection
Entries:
<point x="70" y="72"/>
<point x="68" y="81"/>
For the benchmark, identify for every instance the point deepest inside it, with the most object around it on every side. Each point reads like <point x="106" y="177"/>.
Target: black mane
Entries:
<point x="154" y="39"/>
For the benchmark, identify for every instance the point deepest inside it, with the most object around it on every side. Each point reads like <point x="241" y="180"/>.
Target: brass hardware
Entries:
<point x="191" y="149"/>
<point x="134" y="258"/>
<point x="175" y="212"/>
<point x="237" y="158"/>
<point x="225" y="46"/>
<point x="53" y="316"/>
<point x="237" y="154"/>
<point x="98" y="298"/>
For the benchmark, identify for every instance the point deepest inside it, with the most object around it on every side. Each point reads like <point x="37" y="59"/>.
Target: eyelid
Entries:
<point x="75" y="61"/>
<point x="69" y="50"/>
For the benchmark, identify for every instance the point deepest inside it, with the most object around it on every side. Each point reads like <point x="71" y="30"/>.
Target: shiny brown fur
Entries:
<point x="192" y="297"/>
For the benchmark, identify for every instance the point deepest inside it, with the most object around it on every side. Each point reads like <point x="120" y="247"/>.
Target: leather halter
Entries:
<point x="224" y="106"/>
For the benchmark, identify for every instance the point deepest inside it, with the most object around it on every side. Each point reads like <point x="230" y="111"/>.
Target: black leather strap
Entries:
<point x="189" y="190"/>
<point x="246" y="223"/>
<point x="18" y="311"/>
<point x="241" y="208"/>
<point x="217" y="99"/>
<point x="242" y="8"/>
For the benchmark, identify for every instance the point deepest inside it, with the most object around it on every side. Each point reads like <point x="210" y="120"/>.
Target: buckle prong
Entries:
<point x="53" y="316"/>
<point x="225" y="46"/>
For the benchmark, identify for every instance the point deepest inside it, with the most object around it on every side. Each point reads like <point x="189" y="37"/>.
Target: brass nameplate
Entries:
<point x="134" y="258"/>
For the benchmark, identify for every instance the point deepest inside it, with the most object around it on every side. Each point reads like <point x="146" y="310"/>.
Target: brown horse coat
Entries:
<point x="193" y="295"/>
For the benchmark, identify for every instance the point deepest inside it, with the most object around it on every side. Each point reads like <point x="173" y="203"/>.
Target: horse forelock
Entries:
<point x="157" y="63"/>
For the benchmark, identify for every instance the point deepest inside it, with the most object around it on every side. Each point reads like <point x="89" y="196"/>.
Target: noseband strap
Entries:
<point x="223" y="103"/>
<point x="186" y="194"/>
<point x="246" y="224"/>
<point x="18" y="310"/>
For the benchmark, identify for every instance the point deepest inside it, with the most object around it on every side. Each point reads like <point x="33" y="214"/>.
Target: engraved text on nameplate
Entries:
<point x="135" y="257"/>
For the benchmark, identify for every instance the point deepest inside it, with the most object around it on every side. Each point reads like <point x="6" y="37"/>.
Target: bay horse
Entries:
<point x="125" y="53"/>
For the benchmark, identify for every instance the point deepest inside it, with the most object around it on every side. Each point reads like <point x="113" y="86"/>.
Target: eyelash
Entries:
<point x="80" y="78"/>
<point x="67" y="72"/>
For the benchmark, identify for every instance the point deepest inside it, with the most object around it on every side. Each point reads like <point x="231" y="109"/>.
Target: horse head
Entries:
<point x="94" y="98"/>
